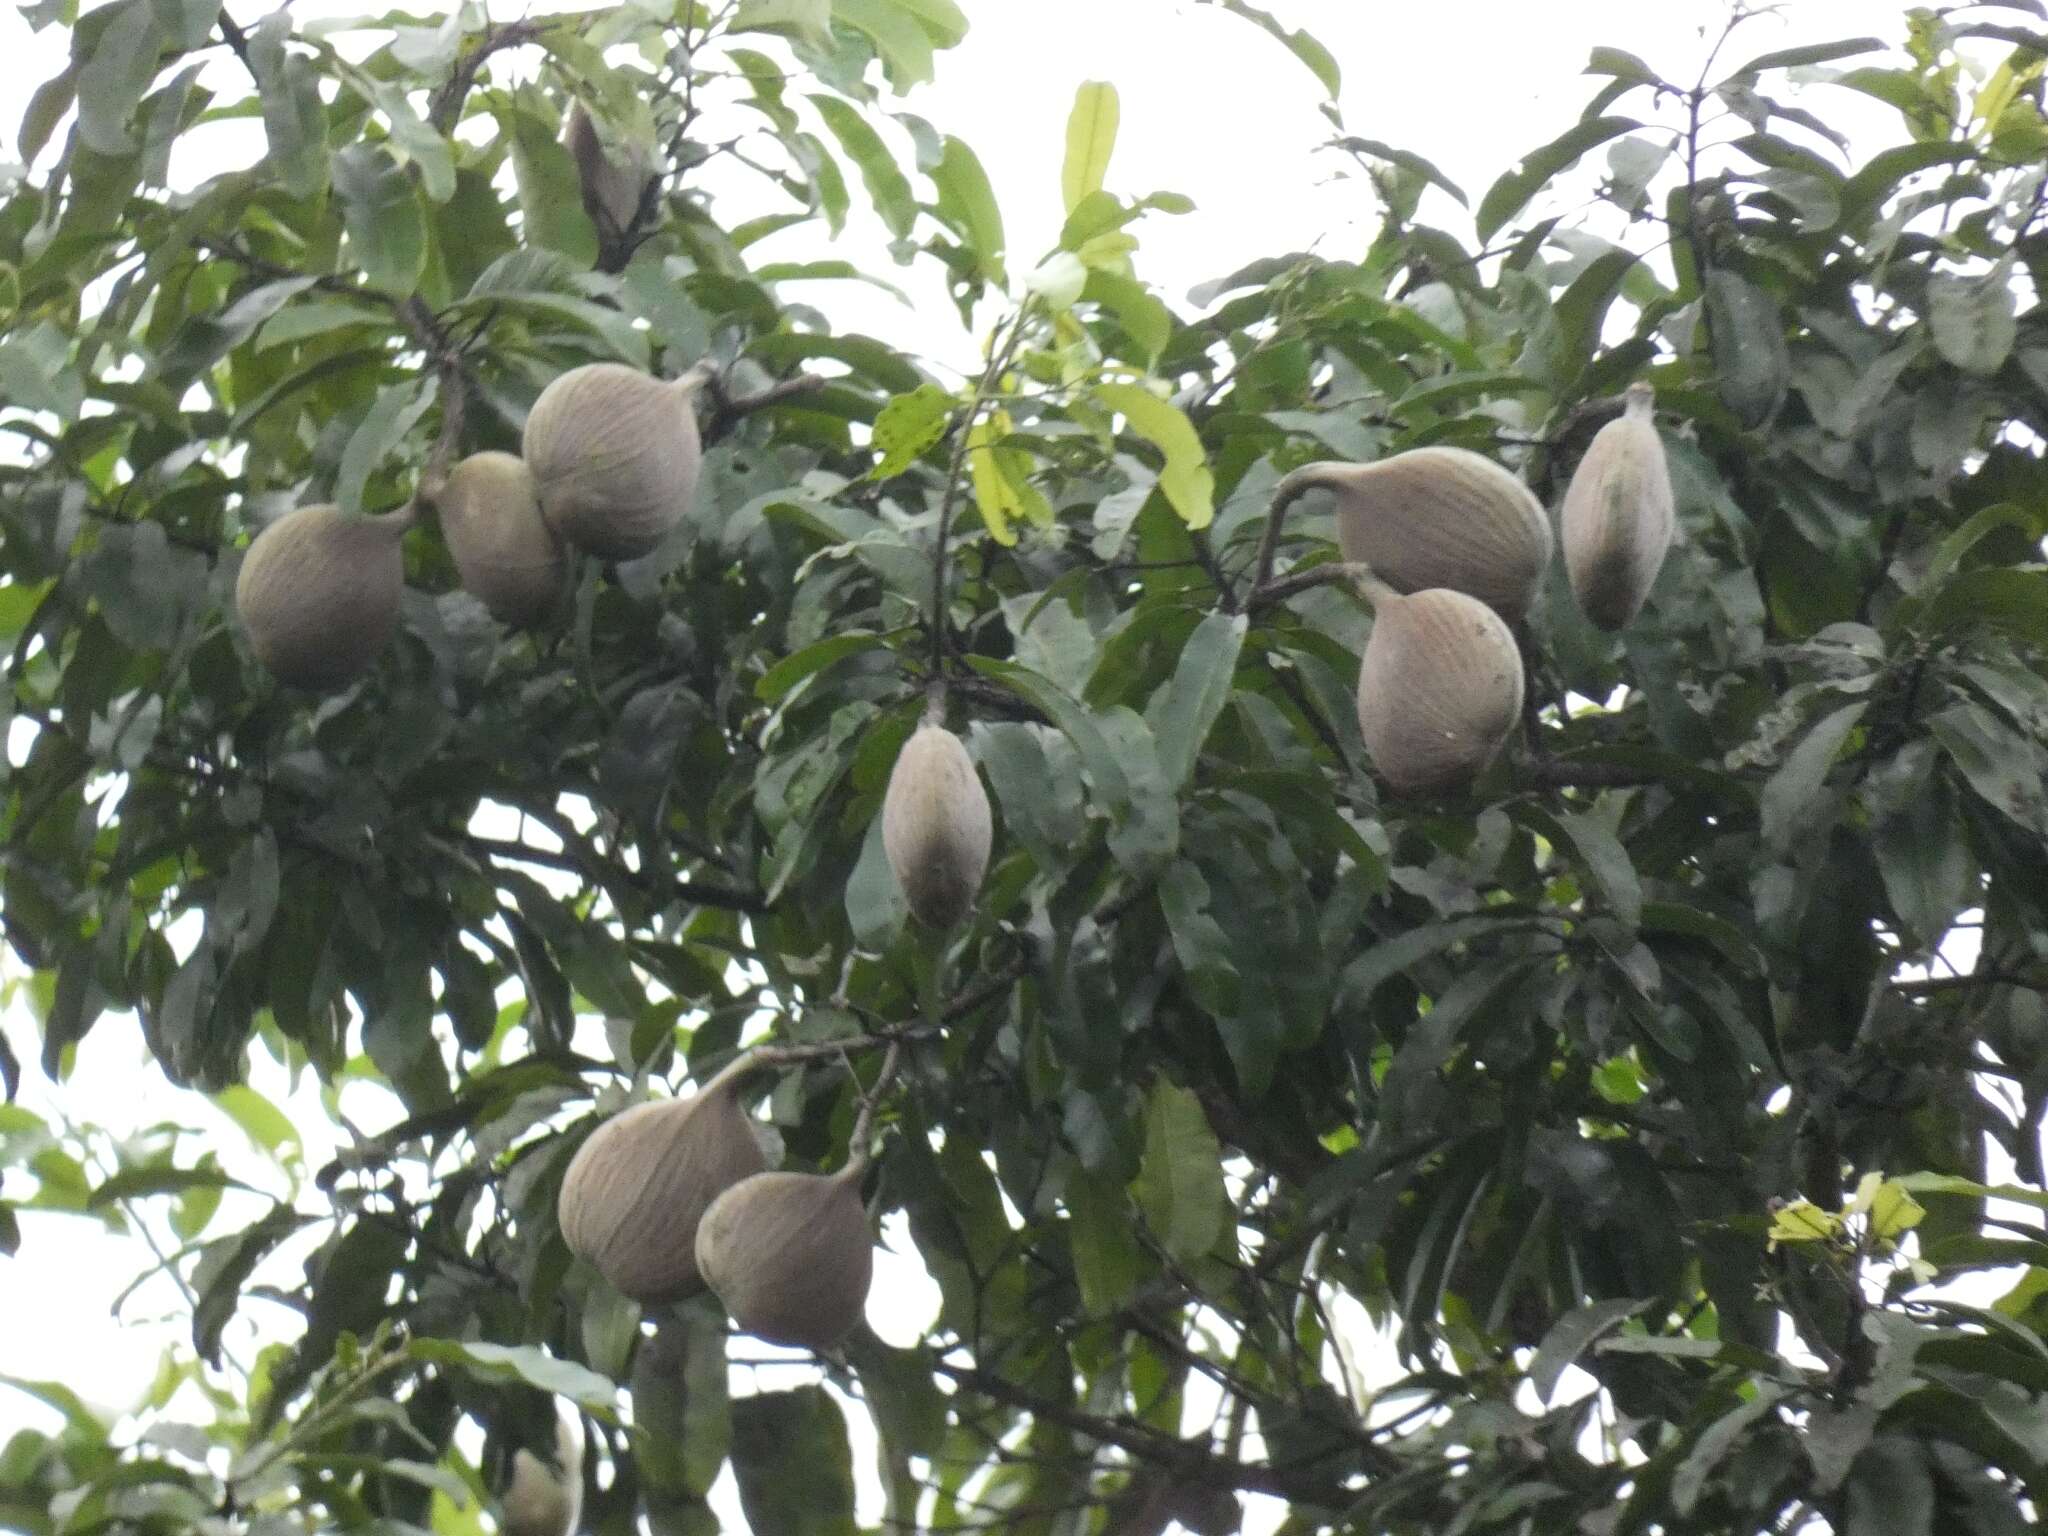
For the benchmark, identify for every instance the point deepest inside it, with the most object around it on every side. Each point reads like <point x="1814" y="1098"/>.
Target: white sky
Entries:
<point x="1211" y="108"/>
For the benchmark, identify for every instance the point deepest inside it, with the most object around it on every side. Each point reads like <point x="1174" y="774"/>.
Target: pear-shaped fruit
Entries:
<point x="1439" y="690"/>
<point x="790" y="1255"/>
<point x="615" y="454"/>
<point x="543" y="1499"/>
<point x="318" y="593"/>
<point x="936" y="826"/>
<point x="636" y="1190"/>
<point x="1441" y="517"/>
<point x="1618" y="515"/>
<point x="611" y="183"/>
<point x="503" y="548"/>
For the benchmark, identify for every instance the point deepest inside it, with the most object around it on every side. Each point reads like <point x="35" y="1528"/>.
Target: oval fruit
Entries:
<point x="1441" y="517"/>
<point x="611" y="185"/>
<point x="318" y="593"/>
<point x="503" y="549"/>
<point x="1439" y="690"/>
<point x="543" y="1499"/>
<point x="790" y="1255"/>
<point x="637" y="1188"/>
<point x="936" y="826"/>
<point x="1618" y="515"/>
<point x="615" y="455"/>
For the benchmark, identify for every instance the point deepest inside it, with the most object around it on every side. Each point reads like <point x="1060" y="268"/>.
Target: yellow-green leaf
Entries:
<point x="1091" y="136"/>
<point x="1186" y="480"/>
<point x="1893" y="1211"/>
<point x="993" y="493"/>
<point x="907" y="426"/>
<point x="1803" y="1222"/>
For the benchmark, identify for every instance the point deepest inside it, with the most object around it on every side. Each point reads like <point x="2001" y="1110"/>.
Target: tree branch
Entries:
<point x="727" y="411"/>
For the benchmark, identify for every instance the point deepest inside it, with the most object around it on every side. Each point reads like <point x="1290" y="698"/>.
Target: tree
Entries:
<point x="1661" y="1053"/>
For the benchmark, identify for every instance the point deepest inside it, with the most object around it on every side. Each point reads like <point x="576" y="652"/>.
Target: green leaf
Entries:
<point x="1750" y="353"/>
<point x="294" y="117"/>
<point x="1801" y="1221"/>
<point x="810" y="20"/>
<point x="1809" y="54"/>
<point x="903" y="45"/>
<point x="907" y="426"/>
<point x="794" y="1463"/>
<point x="143" y="1183"/>
<point x="1186" y="480"/>
<point x="114" y="76"/>
<point x="1407" y="160"/>
<point x="523" y="1363"/>
<point x="1091" y="139"/>
<point x="2002" y="766"/>
<point x="1789" y="795"/>
<point x="1571" y="1335"/>
<point x="1974" y="319"/>
<point x="551" y="213"/>
<point x="1299" y="42"/>
<point x="1108" y="1263"/>
<point x="1187" y="704"/>
<point x="886" y="184"/>
<point x="968" y="203"/>
<point x="1144" y="318"/>
<point x="260" y="1120"/>
<point x="1180" y="1176"/>
<point x="396" y="412"/>
<point x="387" y="229"/>
<point x="1622" y="66"/>
<point x="1508" y="196"/>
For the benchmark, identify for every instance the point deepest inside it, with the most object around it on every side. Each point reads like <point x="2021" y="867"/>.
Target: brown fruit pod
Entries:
<point x="1619" y="516"/>
<point x="611" y="185"/>
<point x="1439" y="690"/>
<point x="503" y="549"/>
<point x="615" y="457"/>
<point x="790" y="1255"/>
<point x="636" y="1190"/>
<point x="936" y="826"/>
<point x="318" y="593"/>
<point x="1441" y="517"/>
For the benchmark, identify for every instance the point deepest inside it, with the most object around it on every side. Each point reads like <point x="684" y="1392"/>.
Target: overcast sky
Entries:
<point x="1210" y="108"/>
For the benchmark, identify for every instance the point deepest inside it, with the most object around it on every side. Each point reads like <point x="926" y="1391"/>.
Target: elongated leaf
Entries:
<point x="1188" y="703"/>
<point x="524" y="1363"/>
<point x="1511" y="193"/>
<point x="902" y="43"/>
<point x="1186" y="479"/>
<point x="1974" y="319"/>
<point x="1299" y="42"/>
<point x="1180" y="1179"/>
<point x="968" y="203"/>
<point x="1091" y="138"/>
<point x="1789" y="796"/>
<point x="1811" y="53"/>
<point x="1570" y="1336"/>
<point x="387" y="229"/>
<point x="887" y="186"/>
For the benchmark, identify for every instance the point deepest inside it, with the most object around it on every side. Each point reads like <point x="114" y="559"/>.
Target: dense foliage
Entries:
<point x="1636" y="1070"/>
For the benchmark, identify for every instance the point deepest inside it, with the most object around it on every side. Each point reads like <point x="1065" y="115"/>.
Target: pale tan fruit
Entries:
<point x="790" y="1255"/>
<point x="318" y="593"/>
<point x="1439" y="690"/>
<point x="611" y="184"/>
<point x="543" y="1500"/>
<point x="636" y="1190"/>
<point x="936" y="826"/>
<point x="1618" y="515"/>
<point x="615" y="455"/>
<point x="503" y="548"/>
<point x="1441" y="517"/>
